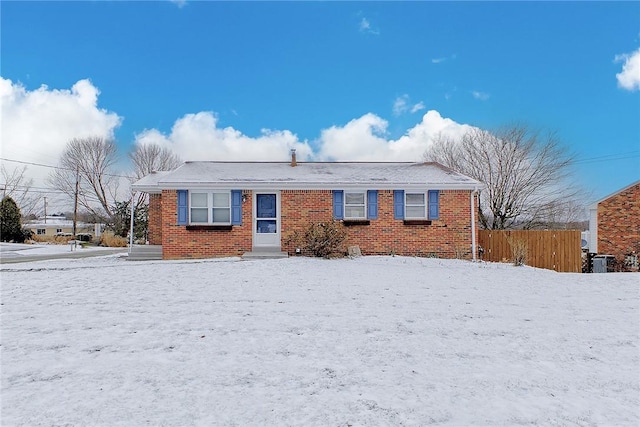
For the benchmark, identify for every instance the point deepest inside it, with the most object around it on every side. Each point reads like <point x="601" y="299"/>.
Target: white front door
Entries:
<point x="266" y="220"/>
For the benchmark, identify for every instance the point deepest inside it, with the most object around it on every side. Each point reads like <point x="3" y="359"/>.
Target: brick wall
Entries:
<point x="619" y="223"/>
<point x="180" y="243"/>
<point x="155" y="219"/>
<point x="448" y="237"/>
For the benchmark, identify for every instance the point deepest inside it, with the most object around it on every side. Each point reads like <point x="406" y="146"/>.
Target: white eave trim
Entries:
<point x="146" y="189"/>
<point x="252" y="185"/>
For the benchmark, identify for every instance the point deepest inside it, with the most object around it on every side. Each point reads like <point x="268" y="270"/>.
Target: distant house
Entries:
<point x="614" y="225"/>
<point x="57" y="226"/>
<point x="213" y="209"/>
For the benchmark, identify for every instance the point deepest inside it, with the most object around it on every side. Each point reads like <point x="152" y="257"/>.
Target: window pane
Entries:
<point x="266" y="205"/>
<point x="199" y="215"/>
<point x="415" y="198"/>
<point x="199" y="200"/>
<point x="266" y="226"/>
<point x="415" y="212"/>
<point x="354" y="211"/>
<point x="220" y="200"/>
<point x="221" y="215"/>
<point x="354" y="198"/>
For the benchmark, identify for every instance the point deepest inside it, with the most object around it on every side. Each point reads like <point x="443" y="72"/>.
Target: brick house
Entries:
<point x="213" y="209"/>
<point x="614" y="225"/>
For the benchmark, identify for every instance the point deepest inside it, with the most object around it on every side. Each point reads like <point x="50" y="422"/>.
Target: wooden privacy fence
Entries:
<point x="558" y="250"/>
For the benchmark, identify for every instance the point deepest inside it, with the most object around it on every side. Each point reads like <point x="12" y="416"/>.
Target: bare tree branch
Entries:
<point x="525" y="174"/>
<point x="17" y="186"/>
<point x="92" y="160"/>
<point x="151" y="157"/>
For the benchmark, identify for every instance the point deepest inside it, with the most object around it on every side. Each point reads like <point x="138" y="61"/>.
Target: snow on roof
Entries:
<point x="54" y="222"/>
<point x="306" y="175"/>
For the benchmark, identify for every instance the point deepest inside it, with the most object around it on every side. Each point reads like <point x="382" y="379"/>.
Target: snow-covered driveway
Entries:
<point x="369" y="341"/>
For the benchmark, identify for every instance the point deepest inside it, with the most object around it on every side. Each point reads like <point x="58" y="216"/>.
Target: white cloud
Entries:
<point x="179" y="3"/>
<point x="412" y="145"/>
<point x="198" y="137"/>
<point x="443" y="59"/>
<point x="402" y="104"/>
<point x="629" y="78"/>
<point x="37" y="124"/>
<point x="365" y="27"/>
<point x="360" y="139"/>
<point x="482" y="96"/>
<point x="364" y="139"/>
<point x="417" y="107"/>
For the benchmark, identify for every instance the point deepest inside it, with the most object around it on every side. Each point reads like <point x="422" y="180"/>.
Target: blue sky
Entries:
<point x="337" y="80"/>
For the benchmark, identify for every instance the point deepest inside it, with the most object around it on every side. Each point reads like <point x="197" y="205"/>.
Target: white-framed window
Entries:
<point x="355" y="205"/>
<point x="210" y="207"/>
<point x="41" y="231"/>
<point x="415" y="205"/>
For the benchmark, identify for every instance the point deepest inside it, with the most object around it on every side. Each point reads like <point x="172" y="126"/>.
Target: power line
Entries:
<point x="608" y="157"/>
<point x="56" y="167"/>
<point x="598" y="159"/>
<point x="31" y="188"/>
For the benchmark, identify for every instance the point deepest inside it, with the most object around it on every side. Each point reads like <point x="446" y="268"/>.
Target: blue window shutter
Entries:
<point x="398" y="204"/>
<point x="338" y="204"/>
<point x="236" y="207"/>
<point x="434" y="204"/>
<point x="182" y="207"/>
<point x="372" y="204"/>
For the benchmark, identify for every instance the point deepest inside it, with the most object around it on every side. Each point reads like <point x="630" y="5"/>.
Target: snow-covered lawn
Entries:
<point x="368" y="341"/>
<point x="11" y="250"/>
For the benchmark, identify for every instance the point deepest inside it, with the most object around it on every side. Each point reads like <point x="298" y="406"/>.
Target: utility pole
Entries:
<point x="75" y="205"/>
<point x="45" y="209"/>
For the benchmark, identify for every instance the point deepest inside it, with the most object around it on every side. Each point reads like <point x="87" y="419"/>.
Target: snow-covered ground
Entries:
<point x="367" y="341"/>
<point x="20" y="249"/>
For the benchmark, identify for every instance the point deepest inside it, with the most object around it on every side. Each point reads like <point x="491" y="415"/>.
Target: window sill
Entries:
<point x="417" y="222"/>
<point x="350" y="222"/>
<point x="209" y="227"/>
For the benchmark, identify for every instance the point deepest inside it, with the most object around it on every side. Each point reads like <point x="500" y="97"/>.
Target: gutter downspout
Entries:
<point x="131" y="225"/>
<point x="473" y="225"/>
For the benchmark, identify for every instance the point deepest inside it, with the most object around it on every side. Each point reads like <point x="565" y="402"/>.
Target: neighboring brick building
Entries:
<point x="614" y="225"/>
<point x="212" y="209"/>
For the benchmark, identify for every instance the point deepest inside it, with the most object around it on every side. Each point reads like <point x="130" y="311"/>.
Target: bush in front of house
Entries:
<point x="322" y="239"/>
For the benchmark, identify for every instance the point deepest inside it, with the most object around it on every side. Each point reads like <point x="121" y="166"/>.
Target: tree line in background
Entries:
<point x="526" y="175"/>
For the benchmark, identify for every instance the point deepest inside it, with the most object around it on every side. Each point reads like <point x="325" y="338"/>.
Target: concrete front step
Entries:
<point x="145" y="253"/>
<point x="265" y="254"/>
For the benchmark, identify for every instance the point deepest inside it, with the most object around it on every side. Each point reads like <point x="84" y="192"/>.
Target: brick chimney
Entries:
<point x="294" y="163"/>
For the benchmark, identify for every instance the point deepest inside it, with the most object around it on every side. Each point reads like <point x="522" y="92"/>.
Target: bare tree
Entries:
<point x="148" y="158"/>
<point x="16" y="185"/>
<point x="525" y="173"/>
<point x="90" y="162"/>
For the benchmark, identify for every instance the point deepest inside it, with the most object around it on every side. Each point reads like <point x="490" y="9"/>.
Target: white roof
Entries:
<point x="306" y="175"/>
<point x="54" y="223"/>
